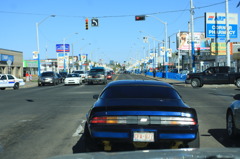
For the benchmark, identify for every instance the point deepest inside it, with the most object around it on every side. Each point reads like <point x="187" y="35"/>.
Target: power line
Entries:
<point x="116" y="16"/>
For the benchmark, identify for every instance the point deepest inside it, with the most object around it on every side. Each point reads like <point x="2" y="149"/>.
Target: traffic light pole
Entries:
<point x="192" y="40"/>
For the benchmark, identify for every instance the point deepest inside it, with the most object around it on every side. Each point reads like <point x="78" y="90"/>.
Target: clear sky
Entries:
<point x="118" y="35"/>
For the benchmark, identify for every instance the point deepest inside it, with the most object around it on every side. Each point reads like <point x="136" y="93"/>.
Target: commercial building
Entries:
<point x="11" y="62"/>
<point x="31" y="66"/>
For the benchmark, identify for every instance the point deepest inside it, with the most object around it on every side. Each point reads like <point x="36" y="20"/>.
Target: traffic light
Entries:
<point x="198" y="51"/>
<point x="139" y="17"/>
<point x="86" y="21"/>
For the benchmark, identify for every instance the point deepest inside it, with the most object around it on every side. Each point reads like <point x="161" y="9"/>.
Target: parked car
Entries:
<point x="49" y="77"/>
<point x="83" y="74"/>
<point x="137" y="114"/>
<point x="73" y="78"/>
<point x="63" y="74"/>
<point x="60" y="78"/>
<point x="97" y="75"/>
<point x="10" y="81"/>
<point x="232" y="118"/>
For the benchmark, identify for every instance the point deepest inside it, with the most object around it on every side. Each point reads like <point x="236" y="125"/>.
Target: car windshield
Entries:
<point x="73" y="75"/>
<point x="140" y="92"/>
<point x="93" y="72"/>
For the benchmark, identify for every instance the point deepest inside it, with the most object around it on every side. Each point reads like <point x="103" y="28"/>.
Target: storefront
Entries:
<point x="31" y="66"/>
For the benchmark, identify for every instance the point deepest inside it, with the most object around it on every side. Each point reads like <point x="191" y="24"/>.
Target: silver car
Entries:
<point x="49" y="77"/>
<point x="233" y="118"/>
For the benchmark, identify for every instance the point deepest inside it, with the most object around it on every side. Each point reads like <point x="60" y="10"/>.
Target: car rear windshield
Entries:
<point x="47" y="74"/>
<point x="96" y="71"/>
<point x="80" y="72"/>
<point x="140" y="92"/>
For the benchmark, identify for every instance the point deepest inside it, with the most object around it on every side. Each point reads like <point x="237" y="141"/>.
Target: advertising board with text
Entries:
<point x="215" y="25"/>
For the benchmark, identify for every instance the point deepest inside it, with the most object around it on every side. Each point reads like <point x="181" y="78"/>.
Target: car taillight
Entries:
<point x="177" y="121"/>
<point x="155" y="120"/>
<point x="108" y="120"/>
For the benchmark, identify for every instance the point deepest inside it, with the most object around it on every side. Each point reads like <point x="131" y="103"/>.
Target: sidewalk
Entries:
<point x="32" y="83"/>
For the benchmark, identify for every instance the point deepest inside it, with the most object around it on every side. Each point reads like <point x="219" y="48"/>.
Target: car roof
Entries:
<point x="138" y="82"/>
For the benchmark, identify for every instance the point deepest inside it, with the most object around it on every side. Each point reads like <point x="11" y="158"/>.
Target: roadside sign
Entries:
<point x="61" y="48"/>
<point x="215" y="25"/>
<point x="35" y="55"/>
<point x="9" y="62"/>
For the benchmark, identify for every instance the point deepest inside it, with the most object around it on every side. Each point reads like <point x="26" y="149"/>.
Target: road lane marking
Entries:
<point x="115" y="78"/>
<point x="79" y="130"/>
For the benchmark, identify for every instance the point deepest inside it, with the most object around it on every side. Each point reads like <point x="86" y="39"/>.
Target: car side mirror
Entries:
<point x="95" y="96"/>
<point x="207" y="72"/>
<point x="236" y="97"/>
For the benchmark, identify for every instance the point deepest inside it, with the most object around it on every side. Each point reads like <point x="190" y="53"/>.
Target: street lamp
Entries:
<point x="37" y="37"/>
<point x="165" y="49"/>
<point x="159" y="42"/>
<point x="64" y="43"/>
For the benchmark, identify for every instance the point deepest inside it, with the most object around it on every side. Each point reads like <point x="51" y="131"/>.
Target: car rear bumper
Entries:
<point x="46" y="82"/>
<point x="96" y="80"/>
<point x="127" y="134"/>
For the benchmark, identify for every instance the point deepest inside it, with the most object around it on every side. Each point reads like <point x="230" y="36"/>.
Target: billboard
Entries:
<point x="83" y="57"/>
<point x="62" y="60"/>
<point x="215" y="25"/>
<point x="61" y="48"/>
<point x="200" y="42"/>
<point x="220" y="48"/>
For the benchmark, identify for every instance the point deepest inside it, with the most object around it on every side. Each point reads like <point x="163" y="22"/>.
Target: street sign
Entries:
<point x="9" y="62"/>
<point x="94" y="22"/>
<point x="35" y="55"/>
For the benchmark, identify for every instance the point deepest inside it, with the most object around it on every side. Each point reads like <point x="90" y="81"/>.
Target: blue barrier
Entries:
<point x="170" y="75"/>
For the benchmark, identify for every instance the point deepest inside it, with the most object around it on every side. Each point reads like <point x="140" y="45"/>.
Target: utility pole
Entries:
<point x="192" y="36"/>
<point x="227" y="37"/>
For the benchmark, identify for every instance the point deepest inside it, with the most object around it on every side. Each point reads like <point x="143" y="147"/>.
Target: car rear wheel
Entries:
<point x="16" y="86"/>
<point x="195" y="83"/>
<point x="2" y="88"/>
<point x="231" y="129"/>
<point x="238" y="82"/>
<point x="195" y="143"/>
<point x="87" y="144"/>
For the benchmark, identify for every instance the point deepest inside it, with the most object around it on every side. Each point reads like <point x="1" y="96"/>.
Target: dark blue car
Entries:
<point x="139" y="114"/>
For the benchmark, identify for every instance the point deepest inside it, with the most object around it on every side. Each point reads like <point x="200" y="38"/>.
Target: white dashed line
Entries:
<point x="79" y="129"/>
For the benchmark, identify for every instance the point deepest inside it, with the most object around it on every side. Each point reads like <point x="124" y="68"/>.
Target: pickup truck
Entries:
<point x="10" y="81"/>
<point x="214" y="75"/>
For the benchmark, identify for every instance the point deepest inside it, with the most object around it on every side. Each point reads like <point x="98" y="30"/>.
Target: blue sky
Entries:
<point x="118" y="35"/>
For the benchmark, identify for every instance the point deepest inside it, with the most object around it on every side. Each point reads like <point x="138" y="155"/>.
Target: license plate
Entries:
<point x="143" y="136"/>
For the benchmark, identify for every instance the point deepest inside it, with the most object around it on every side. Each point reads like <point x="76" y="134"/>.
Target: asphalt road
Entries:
<point x="40" y="122"/>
